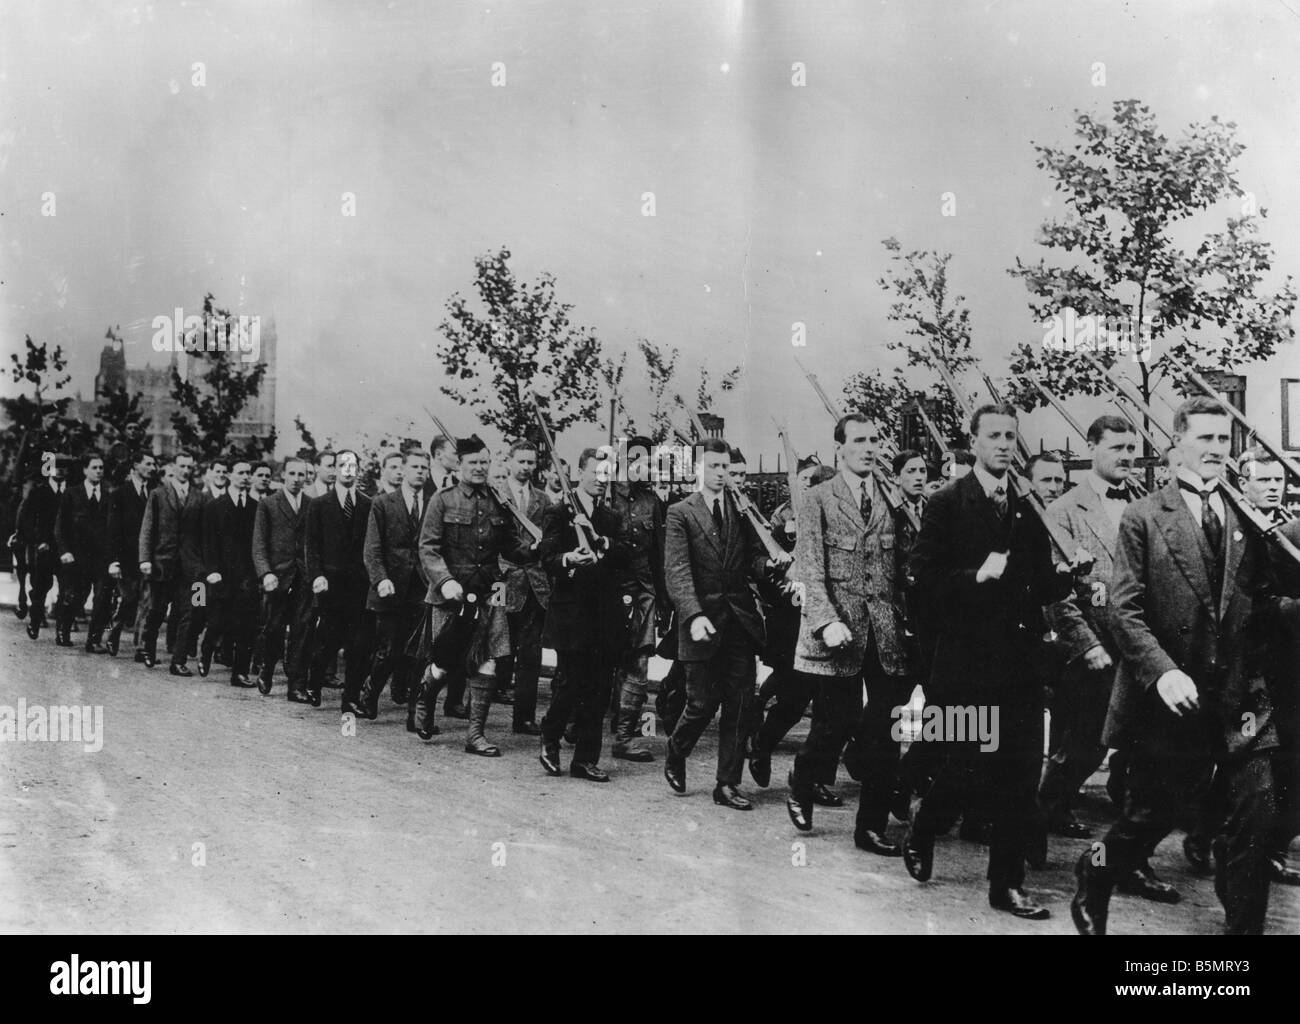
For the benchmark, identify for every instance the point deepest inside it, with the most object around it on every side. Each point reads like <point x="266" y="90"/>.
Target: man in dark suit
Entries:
<point x="710" y="552"/>
<point x="279" y="557"/>
<point x="81" y="540"/>
<point x="35" y="531"/>
<point x="336" y="539"/>
<point x="232" y="577"/>
<point x="983" y="564"/>
<point x="850" y="634"/>
<point x="1191" y="602"/>
<point x="397" y="585"/>
<point x="527" y="590"/>
<point x="125" y="514"/>
<point x="585" y="622"/>
<point x="171" y="559"/>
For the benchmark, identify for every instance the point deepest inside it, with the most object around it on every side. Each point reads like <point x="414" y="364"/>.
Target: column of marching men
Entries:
<point x="1172" y="626"/>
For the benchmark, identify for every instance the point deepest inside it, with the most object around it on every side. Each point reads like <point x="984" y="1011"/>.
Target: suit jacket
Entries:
<point x="464" y="534"/>
<point x="336" y="550"/>
<point x="170" y="536"/>
<point x="987" y="636"/>
<point x="392" y="552"/>
<point x="228" y="541"/>
<point x="1082" y="621"/>
<point x="1164" y="617"/>
<point x="586" y="610"/>
<point x="125" y="515"/>
<point x="530" y="574"/>
<point x="37" y="515"/>
<point x="1284" y="661"/>
<point x="81" y="530"/>
<point x="847" y="568"/>
<point x="280" y="538"/>
<point x="706" y="577"/>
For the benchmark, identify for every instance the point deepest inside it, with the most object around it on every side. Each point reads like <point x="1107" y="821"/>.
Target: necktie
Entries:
<point x="415" y="510"/>
<point x="717" y="515"/>
<point x="1117" y="493"/>
<point x="1211" y="524"/>
<point x="1000" y="500"/>
<point x="348" y="508"/>
<point x="239" y="502"/>
<point x="865" y="503"/>
<point x="94" y="499"/>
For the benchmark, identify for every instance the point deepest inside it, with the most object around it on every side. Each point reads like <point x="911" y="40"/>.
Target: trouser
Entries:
<point x="178" y="595"/>
<point x="727" y="680"/>
<point x="19" y="553"/>
<point x="522" y="668"/>
<point x="1078" y="709"/>
<point x="793" y="692"/>
<point x="581" y="692"/>
<point x="287" y="609"/>
<point x="128" y="605"/>
<point x="393" y="628"/>
<point x="79" y="583"/>
<point x="670" y="702"/>
<point x="1004" y="781"/>
<point x="1286" y="776"/>
<point x="42" y="567"/>
<point x="1161" y="782"/>
<point x="232" y="620"/>
<point x="342" y="619"/>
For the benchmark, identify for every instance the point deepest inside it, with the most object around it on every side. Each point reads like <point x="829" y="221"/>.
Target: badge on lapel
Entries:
<point x="1236" y="535"/>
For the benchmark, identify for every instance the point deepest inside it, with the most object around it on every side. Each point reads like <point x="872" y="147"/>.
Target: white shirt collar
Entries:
<point x="857" y="484"/>
<point x="1101" y="486"/>
<point x="181" y="489"/>
<point x="293" y="499"/>
<point x="90" y="488"/>
<point x="989" y="482"/>
<point x="1195" y="479"/>
<point x="342" y="492"/>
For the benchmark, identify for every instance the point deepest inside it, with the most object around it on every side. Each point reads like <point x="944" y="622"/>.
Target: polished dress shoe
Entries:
<point x="368" y="704"/>
<point x="918" y="854"/>
<point x="529" y="728"/>
<point x="1091" y="902"/>
<point x="1070" y="829"/>
<point x="1143" y="883"/>
<point x="588" y="771"/>
<point x="877" y="843"/>
<point x="242" y="681"/>
<point x="426" y="729"/>
<point x="94" y="647"/>
<point x="824" y="796"/>
<point x="21" y="610"/>
<point x="263" y="684"/>
<point x="354" y="708"/>
<point x="550" y="759"/>
<point x="180" y="670"/>
<point x="800" y="814"/>
<point x="299" y="696"/>
<point x="481" y="747"/>
<point x="1279" y="873"/>
<point x="760" y="768"/>
<point x="1198" y="856"/>
<point x="33" y="630"/>
<point x="675" y="773"/>
<point x="730" y="796"/>
<point x="1017" y="904"/>
<point x="505" y="696"/>
<point x="205" y="664"/>
<point x="139" y="657"/>
<point x="150" y="659"/>
<point x="313" y="698"/>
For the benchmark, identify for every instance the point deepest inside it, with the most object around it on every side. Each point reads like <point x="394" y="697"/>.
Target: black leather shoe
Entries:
<point x="482" y="748"/>
<point x="1279" y="873"/>
<point x="205" y="664"/>
<point x="1070" y="829"/>
<point x="180" y="670"/>
<point x="242" y="681"/>
<point x="149" y="660"/>
<point x="918" y="855"/>
<point x="21" y="610"/>
<point x="113" y="645"/>
<point x="1198" y="856"/>
<point x="313" y="698"/>
<point x="528" y="728"/>
<point x="800" y="814"/>
<point x="1091" y="902"/>
<point x="299" y="697"/>
<point x="263" y="684"/>
<point x="550" y="759"/>
<point x="730" y="796"/>
<point x="584" y="770"/>
<point x="675" y="773"/>
<point x="33" y="630"/>
<point x="760" y="769"/>
<point x="1017" y="904"/>
<point x="1143" y="883"/>
<point x="353" y="708"/>
<point x="875" y="842"/>
<point x="95" y="647"/>
<point x="824" y="796"/>
<point x="505" y="696"/>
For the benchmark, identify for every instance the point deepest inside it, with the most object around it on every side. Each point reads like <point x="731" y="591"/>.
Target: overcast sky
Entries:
<point x="771" y="200"/>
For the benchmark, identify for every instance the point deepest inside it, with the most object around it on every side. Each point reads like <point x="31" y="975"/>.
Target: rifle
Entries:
<point x="531" y="528"/>
<point x="791" y="467"/>
<point x="587" y="543"/>
<point x="830" y="404"/>
<point x="609" y="480"/>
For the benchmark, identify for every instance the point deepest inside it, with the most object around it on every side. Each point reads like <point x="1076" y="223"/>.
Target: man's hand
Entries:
<point x="780" y="562"/>
<point x="579" y="557"/>
<point x="13" y="540"/>
<point x="67" y="558"/>
<point x="836" y="635"/>
<point x="1096" y="658"/>
<point x="42" y="547"/>
<point x="701" y="628"/>
<point x="385" y="588"/>
<point x="1178" y="692"/>
<point x="993" y="568"/>
<point x="269" y="582"/>
<point x="452" y="591"/>
<point x="319" y="585"/>
<point x="214" y="578"/>
<point x="146" y="568"/>
<point x="1080" y="565"/>
<point x="115" y="570"/>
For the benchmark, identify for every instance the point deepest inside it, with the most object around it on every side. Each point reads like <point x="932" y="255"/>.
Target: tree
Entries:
<point x="1126" y="188"/>
<point x="661" y="366"/>
<point x="523" y="339"/>
<point x="612" y="373"/>
<point x="917" y="282"/>
<point x="212" y="399"/>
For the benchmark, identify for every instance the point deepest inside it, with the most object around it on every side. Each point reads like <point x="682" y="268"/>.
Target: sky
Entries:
<point x="770" y="199"/>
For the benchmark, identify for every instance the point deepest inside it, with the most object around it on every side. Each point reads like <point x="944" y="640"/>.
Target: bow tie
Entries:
<point x="1117" y="493"/>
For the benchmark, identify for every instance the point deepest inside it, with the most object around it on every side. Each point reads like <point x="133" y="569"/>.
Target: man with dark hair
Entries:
<point x="171" y="559"/>
<point x="983" y="566"/>
<point x="1046" y="474"/>
<point x="81" y="540"/>
<point x="35" y="531"/>
<point x="397" y="585"/>
<point x="585" y="622"/>
<point x="738" y="468"/>
<point x="445" y="467"/>
<point x="390" y="472"/>
<point x="261" y="485"/>
<point x="326" y="474"/>
<point x="527" y="591"/>
<point x="125" y="515"/>
<point x="279" y="557"/>
<point x="335" y="554"/>
<point x="232" y="578"/>
<point x="1191" y="603"/>
<point x="962" y="463"/>
<point x="1263" y="482"/>
<point x="710" y="552"/>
